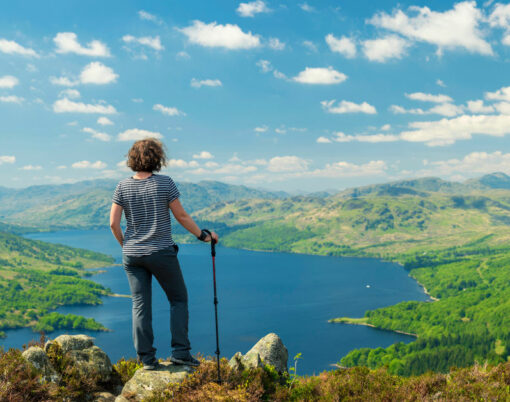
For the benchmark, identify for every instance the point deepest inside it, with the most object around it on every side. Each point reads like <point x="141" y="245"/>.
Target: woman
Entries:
<point x="148" y="248"/>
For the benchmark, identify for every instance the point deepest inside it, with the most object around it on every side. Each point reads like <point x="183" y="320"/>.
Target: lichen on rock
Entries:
<point x="37" y="357"/>
<point x="145" y="382"/>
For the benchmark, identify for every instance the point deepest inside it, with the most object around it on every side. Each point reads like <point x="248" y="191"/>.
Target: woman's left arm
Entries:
<point x="115" y="217"/>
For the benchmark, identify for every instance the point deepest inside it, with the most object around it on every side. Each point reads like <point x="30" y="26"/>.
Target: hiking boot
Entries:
<point x="152" y="366"/>
<point x="189" y="361"/>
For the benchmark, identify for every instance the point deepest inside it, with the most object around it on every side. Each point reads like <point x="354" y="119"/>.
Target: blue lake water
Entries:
<point x="292" y="295"/>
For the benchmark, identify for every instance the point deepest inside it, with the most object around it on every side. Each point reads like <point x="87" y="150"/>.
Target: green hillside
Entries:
<point x="37" y="277"/>
<point x="456" y="245"/>
<point x="86" y="204"/>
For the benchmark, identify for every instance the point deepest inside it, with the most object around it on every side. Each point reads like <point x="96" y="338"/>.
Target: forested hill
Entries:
<point x="456" y="245"/>
<point x="87" y="204"/>
<point x="37" y="277"/>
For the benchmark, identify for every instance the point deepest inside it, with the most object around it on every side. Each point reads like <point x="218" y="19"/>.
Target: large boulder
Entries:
<point x="74" y="342"/>
<point x="269" y="350"/>
<point x="145" y="382"/>
<point x="37" y="357"/>
<point x="90" y="360"/>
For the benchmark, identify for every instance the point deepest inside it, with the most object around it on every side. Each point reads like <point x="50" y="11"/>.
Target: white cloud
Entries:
<point x="89" y="165"/>
<point x="386" y="127"/>
<point x="235" y="169"/>
<point x="7" y="159"/>
<point x="372" y="138"/>
<point x="64" y="81"/>
<point x="252" y="8"/>
<point x="440" y="83"/>
<point x="344" y="45"/>
<point x="67" y="42"/>
<point x="447" y="131"/>
<point x="11" y="47"/>
<point x="310" y="45"/>
<point x="276" y="44"/>
<point x="477" y="106"/>
<point x="12" y="99"/>
<point x="445" y="109"/>
<point x="502" y="94"/>
<point x="500" y="18"/>
<point x="135" y="134"/>
<point x="31" y="167"/>
<point x="203" y="155"/>
<point x="472" y="163"/>
<point x="177" y="163"/>
<point x="104" y="121"/>
<point x="287" y="164"/>
<point x="383" y="49"/>
<point x="205" y="83"/>
<point x="8" y="81"/>
<point x="261" y="129"/>
<point x="420" y="96"/>
<point x="280" y="130"/>
<point x="454" y="28"/>
<point x="170" y="111"/>
<point x="144" y="15"/>
<point x="97" y="73"/>
<point x="137" y="100"/>
<point x="69" y="93"/>
<point x="320" y="76"/>
<point x="347" y="169"/>
<point x="228" y="36"/>
<point x="348" y="107"/>
<point x="306" y="7"/>
<point x="182" y="55"/>
<point x="266" y="67"/>
<point x="97" y="135"/>
<point x="67" y="106"/>
<point x="149" y="41"/>
<point x="323" y="140"/>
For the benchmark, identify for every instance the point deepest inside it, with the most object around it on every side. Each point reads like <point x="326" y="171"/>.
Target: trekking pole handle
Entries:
<point x="213" y="243"/>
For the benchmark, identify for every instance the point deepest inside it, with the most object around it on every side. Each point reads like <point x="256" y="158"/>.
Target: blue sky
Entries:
<point x="297" y="96"/>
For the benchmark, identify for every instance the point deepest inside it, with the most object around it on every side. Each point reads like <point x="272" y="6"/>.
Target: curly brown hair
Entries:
<point x="147" y="155"/>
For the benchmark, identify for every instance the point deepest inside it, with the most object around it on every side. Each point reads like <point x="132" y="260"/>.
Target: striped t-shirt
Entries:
<point x="145" y="203"/>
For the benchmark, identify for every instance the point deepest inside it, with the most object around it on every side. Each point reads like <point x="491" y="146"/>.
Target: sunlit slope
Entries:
<point x="375" y="224"/>
<point x="86" y="205"/>
<point x="36" y="277"/>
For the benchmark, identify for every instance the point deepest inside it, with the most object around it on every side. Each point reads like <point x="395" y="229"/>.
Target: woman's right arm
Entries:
<point x="187" y="221"/>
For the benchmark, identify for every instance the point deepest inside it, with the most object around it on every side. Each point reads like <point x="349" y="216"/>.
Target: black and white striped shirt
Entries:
<point x="145" y="203"/>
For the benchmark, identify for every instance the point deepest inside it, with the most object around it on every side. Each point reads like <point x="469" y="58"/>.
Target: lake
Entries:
<point x="292" y="295"/>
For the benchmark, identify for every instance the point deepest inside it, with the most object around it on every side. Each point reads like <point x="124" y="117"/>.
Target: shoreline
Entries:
<point x="359" y="321"/>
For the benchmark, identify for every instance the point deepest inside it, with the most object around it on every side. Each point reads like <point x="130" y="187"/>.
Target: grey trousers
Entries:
<point x="164" y="265"/>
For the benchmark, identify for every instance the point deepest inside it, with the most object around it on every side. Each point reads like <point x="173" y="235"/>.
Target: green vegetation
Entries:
<point x="455" y="245"/>
<point x="20" y="382"/>
<point x="86" y="204"/>
<point x="37" y="277"/>
<point x="52" y="321"/>
<point x="354" y="384"/>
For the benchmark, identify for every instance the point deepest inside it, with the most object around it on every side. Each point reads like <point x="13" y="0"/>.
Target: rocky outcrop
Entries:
<point x="94" y="363"/>
<point x="38" y="358"/>
<point x="145" y="382"/>
<point x="90" y="360"/>
<point x="269" y="350"/>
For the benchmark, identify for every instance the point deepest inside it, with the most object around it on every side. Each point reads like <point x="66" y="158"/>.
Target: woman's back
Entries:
<point x="145" y="203"/>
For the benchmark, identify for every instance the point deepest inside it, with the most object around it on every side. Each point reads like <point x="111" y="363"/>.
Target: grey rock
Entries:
<point x="236" y="362"/>
<point x="90" y="360"/>
<point x="37" y="357"/>
<point x="271" y="350"/>
<point x="103" y="397"/>
<point x="74" y="342"/>
<point x="145" y="382"/>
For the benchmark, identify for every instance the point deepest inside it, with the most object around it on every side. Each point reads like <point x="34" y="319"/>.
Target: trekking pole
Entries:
<point x="213" y="254"/>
